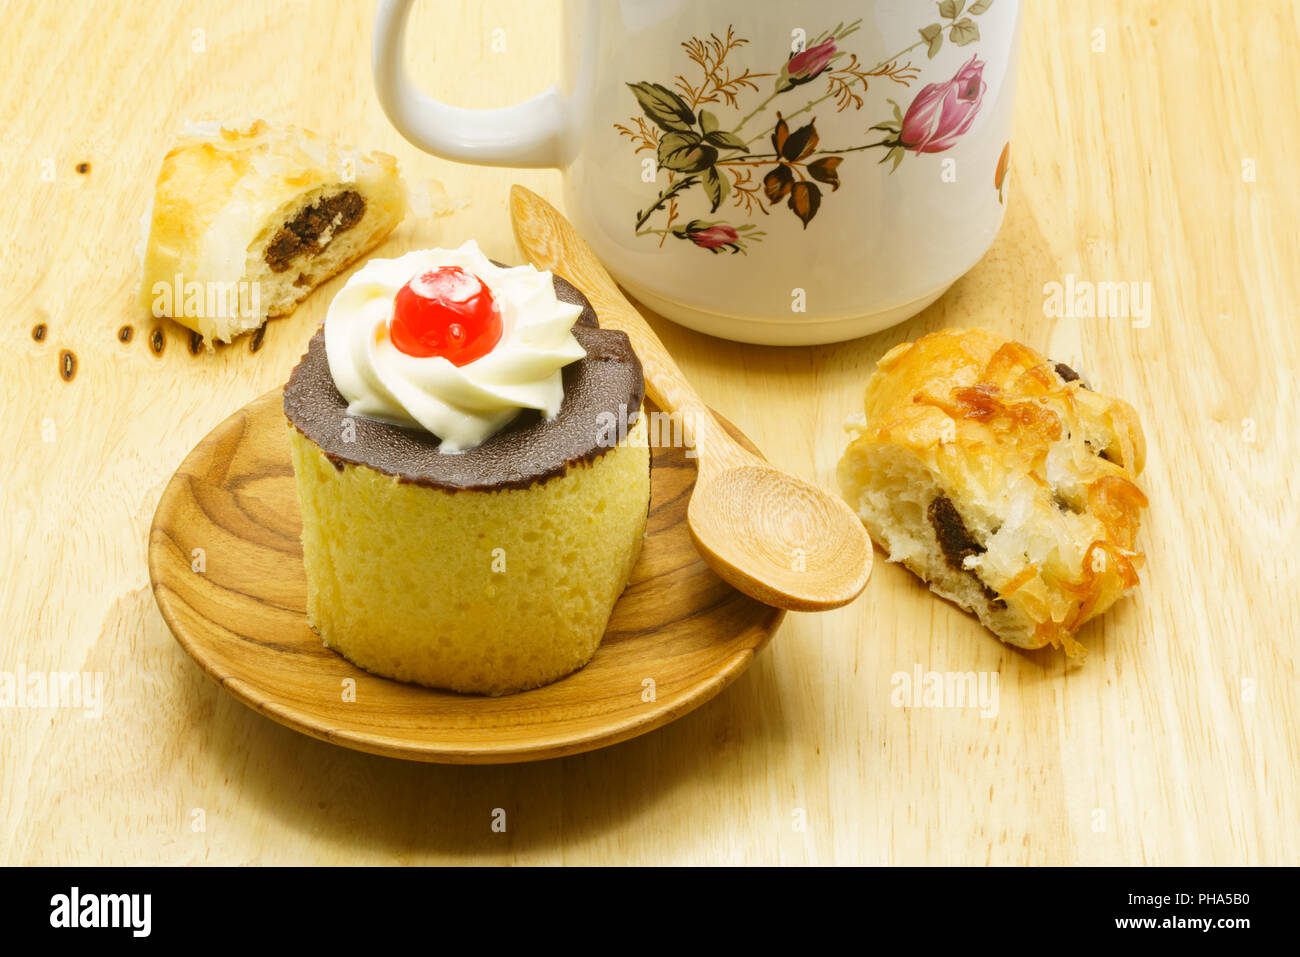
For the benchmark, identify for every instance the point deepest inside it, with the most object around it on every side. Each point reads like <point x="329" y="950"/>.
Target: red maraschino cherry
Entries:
<point x="445" y="312"/>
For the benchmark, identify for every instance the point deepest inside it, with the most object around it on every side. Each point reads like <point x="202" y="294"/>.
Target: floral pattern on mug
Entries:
<point x="939" y="115"/>
<point x="703" y="154"/>
<point x="716" y="237"/>
<point x="1000" y="174"/>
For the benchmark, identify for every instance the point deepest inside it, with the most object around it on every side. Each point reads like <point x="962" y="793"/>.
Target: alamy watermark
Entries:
<point x="1085" y="299"/>
<point x="75" y="690"/>
<point x="206" y="300"/>
<point x="130" y="911"/>
<point x="945" y="689"/>
<point x="666" y="430"/>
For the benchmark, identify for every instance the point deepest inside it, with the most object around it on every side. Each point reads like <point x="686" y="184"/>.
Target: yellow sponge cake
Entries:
<point x="485" y="557"/>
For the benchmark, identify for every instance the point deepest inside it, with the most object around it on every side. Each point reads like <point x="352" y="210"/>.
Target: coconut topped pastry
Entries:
<point x="1003" y="480"/>
<point x="469" y="516"/>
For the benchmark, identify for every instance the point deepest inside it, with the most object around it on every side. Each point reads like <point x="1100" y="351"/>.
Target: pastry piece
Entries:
<point x="472" y="469"/>
<point x="245" y="223"/>
<point x="1001" y="479"/>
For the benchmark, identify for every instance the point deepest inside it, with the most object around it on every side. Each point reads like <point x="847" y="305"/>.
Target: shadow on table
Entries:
<point x="385" y="810"/>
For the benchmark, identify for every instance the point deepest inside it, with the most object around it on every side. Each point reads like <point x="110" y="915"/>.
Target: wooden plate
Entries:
<point x="226" y="567"/>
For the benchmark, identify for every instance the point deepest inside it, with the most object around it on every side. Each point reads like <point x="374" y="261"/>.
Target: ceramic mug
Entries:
<point x="781" y="173"/>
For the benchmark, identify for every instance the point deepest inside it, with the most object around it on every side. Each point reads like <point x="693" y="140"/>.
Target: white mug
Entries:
<point x="781" y="173"/>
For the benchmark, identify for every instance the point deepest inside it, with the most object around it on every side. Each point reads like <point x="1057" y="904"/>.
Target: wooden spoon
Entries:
<point x="770" y="534"/>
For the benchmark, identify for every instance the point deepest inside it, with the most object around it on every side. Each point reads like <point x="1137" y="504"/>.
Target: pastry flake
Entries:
<point x="1001" y="479"/>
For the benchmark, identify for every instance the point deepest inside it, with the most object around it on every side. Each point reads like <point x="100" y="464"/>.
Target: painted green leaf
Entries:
<point x="933" y="35"/>
<point x="662" y="105"/>
<point x="979" y="6"/>
<point x="964" y="31"/>
<point x="726" y="141"/>
<point x="950" y="9"/>
<point x="708" y="122"/>
<point x="685" y="153"/>
<point x="716" y="187"/>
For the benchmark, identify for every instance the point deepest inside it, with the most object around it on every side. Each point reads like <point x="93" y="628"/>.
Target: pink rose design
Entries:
<point x="714" y="237"/>
<point x="943" y="112"/>
<point x="808" y="64"/>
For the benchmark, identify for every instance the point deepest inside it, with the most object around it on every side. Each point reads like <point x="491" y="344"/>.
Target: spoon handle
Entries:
<point x="549" y="241"/>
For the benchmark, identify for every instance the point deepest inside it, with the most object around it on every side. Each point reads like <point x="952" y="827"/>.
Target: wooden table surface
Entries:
<point x="1166" y="157"/>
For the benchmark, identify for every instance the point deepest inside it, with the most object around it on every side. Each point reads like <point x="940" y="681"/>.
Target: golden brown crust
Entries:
<point x="1042" y="467"/>
<point x="222" y="193"/>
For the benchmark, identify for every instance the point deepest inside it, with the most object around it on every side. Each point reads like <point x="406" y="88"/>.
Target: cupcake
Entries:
<point x="472" y="470"/>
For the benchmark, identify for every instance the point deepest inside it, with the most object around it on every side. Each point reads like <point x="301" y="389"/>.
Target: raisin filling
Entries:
<point x="1103" y="454"/>
<point x="302" y="234"/>
<point x="956" y="542"/>
<point x="1061" y="504"/>
<point x="1069" y="375"/>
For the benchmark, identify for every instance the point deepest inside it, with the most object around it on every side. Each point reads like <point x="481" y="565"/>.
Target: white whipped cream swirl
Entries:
<point x="462" y="406"/>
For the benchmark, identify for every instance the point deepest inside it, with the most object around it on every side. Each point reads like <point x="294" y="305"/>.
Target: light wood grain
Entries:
<point x="242" y="616"/>
<point x="771" y="534"/>
<point x="1175" y="743"/>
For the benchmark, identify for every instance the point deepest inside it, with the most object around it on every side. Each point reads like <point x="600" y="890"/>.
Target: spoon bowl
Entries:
<point x="778" y="538"/>
<point x="771" y="535"/>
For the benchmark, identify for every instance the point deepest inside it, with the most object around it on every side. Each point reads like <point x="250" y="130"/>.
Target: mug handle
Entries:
<point x="526" y="134"/>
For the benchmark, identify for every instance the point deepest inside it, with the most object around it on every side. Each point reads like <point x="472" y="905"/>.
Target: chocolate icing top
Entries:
<point x="527" y="451"/>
